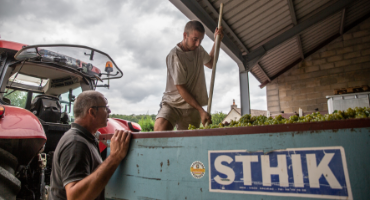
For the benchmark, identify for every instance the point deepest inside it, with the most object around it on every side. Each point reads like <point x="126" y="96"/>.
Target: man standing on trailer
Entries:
<point x="78" y="171"/>
<point x="186" y="90"/>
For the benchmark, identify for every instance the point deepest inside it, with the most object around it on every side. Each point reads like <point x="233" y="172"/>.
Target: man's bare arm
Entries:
<point x="212" y="55"/>
<point x="91" y="186"/>
<point x="212" y="52"/>
<point x="205" y="117"/>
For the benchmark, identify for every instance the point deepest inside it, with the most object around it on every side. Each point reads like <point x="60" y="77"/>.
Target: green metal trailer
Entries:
<point x="318" y="160"/>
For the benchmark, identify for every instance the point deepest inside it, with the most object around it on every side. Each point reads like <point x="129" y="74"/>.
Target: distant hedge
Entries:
<point x="147" y="121"/>
<point x="132" y="118"/>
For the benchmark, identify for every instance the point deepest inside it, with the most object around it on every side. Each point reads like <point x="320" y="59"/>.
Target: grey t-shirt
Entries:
<point x="186" y="68"/>
<point x="76" y="156"/>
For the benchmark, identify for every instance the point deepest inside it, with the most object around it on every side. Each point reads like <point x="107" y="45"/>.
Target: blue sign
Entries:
<point x="302" y="172"/>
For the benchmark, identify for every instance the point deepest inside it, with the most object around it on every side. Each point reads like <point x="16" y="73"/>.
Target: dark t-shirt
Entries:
<point x="76" y="156"/>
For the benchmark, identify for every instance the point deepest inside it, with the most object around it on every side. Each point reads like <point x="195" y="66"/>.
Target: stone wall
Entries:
<point x="343" y="63"/>
<point x="258" y="112"/>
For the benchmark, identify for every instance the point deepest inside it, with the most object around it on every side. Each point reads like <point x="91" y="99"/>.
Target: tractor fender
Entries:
<point x="112" y="125"/>
<point x="21" y="133"/>
<point x="19" y="123"/>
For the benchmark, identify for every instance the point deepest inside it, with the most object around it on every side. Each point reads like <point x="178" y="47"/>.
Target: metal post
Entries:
<point x="244" y="93"/>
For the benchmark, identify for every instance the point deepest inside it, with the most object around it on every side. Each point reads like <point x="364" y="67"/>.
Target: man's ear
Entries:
<point x="184" y="35"/>
<point x="91" y="112"/>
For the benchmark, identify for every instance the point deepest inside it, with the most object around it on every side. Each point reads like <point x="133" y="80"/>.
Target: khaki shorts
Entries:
<point x="181" y="118"/>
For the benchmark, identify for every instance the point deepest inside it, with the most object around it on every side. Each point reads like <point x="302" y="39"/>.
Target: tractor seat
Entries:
<point x="46" y="107"/>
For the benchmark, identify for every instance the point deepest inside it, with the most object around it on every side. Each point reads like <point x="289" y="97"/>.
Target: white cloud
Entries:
<point x="137" y="34"/>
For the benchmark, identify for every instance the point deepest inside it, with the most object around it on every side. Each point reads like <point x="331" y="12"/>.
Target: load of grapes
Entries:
<point x="248" y="120"/>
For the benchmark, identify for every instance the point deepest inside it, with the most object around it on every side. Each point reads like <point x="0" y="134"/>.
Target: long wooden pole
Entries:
<point x="217" y="51"/>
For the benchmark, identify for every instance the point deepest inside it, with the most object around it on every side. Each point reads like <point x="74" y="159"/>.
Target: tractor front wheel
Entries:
<point x="9" y="184"/>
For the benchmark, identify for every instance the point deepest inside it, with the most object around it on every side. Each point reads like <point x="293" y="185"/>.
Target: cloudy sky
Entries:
<point x="138" y="35"/>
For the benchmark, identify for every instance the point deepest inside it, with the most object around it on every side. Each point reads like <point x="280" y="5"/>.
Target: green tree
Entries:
<point x="132" y="118"/>
<point x="218" y="117"/>
<point x="146" y="123"/>
<point x="17" y="98"/>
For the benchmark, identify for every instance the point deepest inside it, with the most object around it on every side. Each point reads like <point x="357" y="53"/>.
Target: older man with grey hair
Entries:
<point x="78" y="171"/>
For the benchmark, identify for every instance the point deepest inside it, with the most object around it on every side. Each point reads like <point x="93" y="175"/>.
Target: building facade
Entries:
<point x="343" y="63"/>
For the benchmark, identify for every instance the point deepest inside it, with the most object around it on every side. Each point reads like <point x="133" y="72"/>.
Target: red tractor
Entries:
<point x="38" y="85"/>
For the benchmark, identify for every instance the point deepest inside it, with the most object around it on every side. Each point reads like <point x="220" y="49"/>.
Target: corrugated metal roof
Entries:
<point x="257" y="72"/>
<point x="256" y="26"/>
<point x="320" y="32"/>
<point x="305" y="8"/>
<point x="355" y="11"/>
<point x="280" y="57"/>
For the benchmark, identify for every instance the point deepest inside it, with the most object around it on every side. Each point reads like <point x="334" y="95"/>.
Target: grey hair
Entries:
<point x="85" y="101"/>
<point x="194" y="25"/>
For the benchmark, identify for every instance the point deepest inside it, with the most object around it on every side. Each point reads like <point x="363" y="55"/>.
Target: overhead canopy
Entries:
<point x="268" y="38"/>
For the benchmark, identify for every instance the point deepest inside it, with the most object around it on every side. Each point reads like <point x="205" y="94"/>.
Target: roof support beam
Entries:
<point x="342" y="22"/>
<point x="209" y="23"/>
<point x="299" y="42"/>
<point x="254" y="56"/>
<point x="292" y="12"/>
<point x="192" y="10"/>
<point x="231" y="32"/>
<point x="282" y="72"/>
<point x="226" y="26"/>
<point x="349" y="27"/>
<point x="272" y="36"/>
<point x="321" y="45"/>
<point x="263" y="71"/>
<point x="294" y="19"/>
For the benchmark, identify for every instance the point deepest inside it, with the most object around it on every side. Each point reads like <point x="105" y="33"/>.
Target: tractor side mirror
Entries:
<point x="71" y="98"/>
